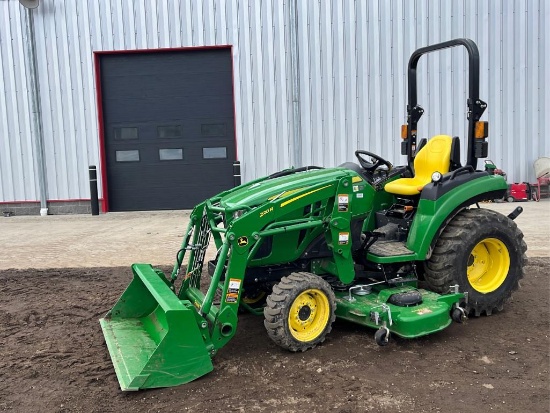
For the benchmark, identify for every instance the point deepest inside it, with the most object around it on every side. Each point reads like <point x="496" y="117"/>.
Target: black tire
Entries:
<point x="458" y="315"/>
<point x="382" y="337"/>
<point x="311" y="300"/>
<point x="461" y="248"/>
<point x="510" y="199"/>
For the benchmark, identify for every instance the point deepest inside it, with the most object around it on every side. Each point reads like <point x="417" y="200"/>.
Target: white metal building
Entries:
<point x="297" y="82"/>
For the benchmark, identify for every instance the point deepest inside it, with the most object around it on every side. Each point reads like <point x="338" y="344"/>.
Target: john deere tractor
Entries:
<point x="403" y="250"/>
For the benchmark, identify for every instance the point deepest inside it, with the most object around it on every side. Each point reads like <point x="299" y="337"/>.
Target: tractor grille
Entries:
<point x="199" y="252"/>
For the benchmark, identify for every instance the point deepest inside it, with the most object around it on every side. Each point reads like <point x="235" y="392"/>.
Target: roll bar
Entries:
<point x="476" y="106"/>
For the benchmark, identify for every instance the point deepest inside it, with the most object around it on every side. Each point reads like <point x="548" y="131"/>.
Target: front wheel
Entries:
<point x="300" y="311"/>
<point x="484" y="253"/>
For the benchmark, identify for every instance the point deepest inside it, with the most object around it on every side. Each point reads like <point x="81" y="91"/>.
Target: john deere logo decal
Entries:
<point x="242" y="241"/>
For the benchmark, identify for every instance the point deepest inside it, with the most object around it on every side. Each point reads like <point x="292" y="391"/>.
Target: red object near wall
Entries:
<point x="541" y="188"/>
<point x="518" y="192"/>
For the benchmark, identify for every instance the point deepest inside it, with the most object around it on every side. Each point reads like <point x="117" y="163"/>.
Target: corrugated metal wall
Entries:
<point x="353" y="58"/>
<point x="352" y="61"/>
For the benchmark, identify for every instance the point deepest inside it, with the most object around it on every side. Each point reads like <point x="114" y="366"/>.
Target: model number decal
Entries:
<point x="267" y="211"/>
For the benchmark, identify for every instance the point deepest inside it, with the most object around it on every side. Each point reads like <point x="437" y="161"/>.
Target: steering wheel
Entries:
<point x="371" y="167"/>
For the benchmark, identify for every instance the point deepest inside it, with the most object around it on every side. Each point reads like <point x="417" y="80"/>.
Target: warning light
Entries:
<point x="481" y="129"/>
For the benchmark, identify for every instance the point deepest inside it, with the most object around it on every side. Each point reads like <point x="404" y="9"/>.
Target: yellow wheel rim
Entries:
<point x="488" y="265"/>
<point x="309" y="315"/>
<point x="254" y="298"/>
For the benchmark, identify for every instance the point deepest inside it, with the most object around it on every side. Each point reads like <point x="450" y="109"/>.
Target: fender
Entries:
<point x="433" y="214"/>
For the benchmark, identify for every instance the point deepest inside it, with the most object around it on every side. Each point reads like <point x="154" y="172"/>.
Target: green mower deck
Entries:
<point x="372" y="309"/>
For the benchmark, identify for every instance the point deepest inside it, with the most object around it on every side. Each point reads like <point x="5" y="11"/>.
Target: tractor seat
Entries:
<point x="434" y="156"/>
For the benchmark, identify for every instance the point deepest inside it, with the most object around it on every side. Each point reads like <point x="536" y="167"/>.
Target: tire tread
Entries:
<point x="442" y="267"/>
<point x="282" y="297"/>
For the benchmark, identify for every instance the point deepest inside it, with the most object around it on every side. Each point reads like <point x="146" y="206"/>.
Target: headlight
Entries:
<point x="436" y="177"/>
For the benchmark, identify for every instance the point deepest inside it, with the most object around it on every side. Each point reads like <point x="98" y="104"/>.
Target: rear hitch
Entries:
<point x="514" y="214"/>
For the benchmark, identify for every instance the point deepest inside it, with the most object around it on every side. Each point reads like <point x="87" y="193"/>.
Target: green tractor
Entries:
<point x="400" y="249"/>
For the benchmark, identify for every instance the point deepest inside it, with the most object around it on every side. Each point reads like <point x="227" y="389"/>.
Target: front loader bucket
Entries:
<point x="152" y="336"/>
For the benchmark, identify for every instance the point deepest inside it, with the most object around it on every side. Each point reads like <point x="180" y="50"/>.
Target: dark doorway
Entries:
<point x="168" y="121"/>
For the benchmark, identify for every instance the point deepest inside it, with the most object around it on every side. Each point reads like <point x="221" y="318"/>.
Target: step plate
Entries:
<point x="389" y="248"/>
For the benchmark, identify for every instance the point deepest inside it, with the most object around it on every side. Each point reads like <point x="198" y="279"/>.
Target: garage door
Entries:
<point x="168" y="127"/>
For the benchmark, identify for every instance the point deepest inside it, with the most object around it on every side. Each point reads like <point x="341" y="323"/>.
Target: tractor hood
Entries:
<point x="262" y="191"/>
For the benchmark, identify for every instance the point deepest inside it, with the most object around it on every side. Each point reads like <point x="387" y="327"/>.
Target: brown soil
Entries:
<point x="53" y="358"/>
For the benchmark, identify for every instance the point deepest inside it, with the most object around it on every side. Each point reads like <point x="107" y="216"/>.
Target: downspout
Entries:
<point x="36" y="113"/>
<point x="295" y="73"/>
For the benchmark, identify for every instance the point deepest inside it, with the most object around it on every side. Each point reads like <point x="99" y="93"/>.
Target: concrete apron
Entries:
<point x="124" y="238"/>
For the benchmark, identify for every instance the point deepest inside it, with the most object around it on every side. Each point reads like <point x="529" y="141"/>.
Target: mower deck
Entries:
<point x="372" y="309"/>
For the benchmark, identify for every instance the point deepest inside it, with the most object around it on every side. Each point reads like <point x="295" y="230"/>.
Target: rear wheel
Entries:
<point x="300" y="311"/>
<point x="484" y="253"/>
